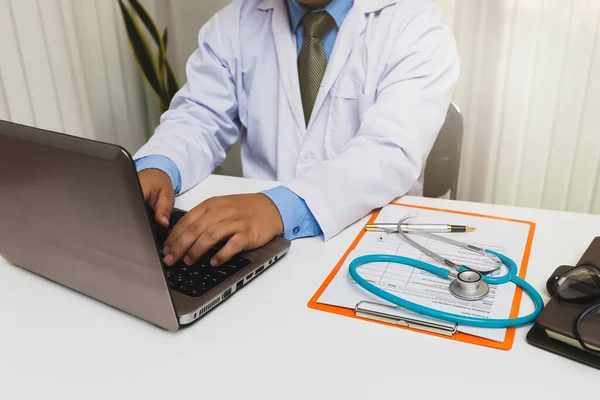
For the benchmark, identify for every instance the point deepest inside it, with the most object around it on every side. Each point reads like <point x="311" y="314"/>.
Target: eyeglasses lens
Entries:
<point x="588" y="327"/>
<point x="583" y="281"/>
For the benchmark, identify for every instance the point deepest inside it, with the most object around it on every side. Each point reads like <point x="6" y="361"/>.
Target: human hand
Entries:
<point x="158" y="194"/>
<point x="248" y="221"/>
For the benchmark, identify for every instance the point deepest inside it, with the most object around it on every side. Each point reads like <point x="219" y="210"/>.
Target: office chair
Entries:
<point x="443" y="162"/>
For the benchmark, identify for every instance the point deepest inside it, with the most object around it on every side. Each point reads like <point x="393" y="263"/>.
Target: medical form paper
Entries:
<point x="504" y="236"/>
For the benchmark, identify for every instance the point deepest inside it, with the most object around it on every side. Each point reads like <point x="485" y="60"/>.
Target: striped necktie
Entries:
<point x="312" y="61"/>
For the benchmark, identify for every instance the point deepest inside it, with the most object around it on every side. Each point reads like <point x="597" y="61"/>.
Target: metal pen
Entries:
<point x="381" y="227"/>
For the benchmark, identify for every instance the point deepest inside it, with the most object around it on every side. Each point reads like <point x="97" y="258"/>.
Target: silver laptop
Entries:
<point x="72" y="211"/>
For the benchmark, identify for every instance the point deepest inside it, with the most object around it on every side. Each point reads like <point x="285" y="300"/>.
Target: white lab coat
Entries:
<point x="383" y="99"/>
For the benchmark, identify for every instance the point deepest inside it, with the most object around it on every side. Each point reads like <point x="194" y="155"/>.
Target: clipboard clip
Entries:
<point x="398" y="316"/>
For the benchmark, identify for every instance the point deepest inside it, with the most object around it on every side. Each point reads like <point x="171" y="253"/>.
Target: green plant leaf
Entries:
<point x="165" y="38"/>
<point x="147" y="20"/>
<point x="172" y="85"/>
<point x="143" y="54"/>
<point x="162" y="59"/>
<point x="155" y="33"/>
<point x="161" y="73"/>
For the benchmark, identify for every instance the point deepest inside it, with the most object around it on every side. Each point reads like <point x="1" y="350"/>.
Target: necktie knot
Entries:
<point x="315" y="24"/>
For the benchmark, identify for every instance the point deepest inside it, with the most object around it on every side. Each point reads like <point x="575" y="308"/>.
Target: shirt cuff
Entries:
<point x="298" y="221"/>
<point x="164" y="164"/>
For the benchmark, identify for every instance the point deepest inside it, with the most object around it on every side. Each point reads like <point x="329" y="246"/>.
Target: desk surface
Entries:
<point x="265" y="343"/>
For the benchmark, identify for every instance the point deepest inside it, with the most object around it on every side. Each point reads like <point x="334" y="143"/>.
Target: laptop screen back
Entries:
<point x="72" y="211"/>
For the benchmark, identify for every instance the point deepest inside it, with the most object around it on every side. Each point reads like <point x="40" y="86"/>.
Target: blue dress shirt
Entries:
<point x="338" y="9"/>
<point x="298" y="221"/>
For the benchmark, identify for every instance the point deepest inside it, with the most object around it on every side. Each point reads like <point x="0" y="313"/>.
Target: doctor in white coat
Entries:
<point x="340" y="101"/>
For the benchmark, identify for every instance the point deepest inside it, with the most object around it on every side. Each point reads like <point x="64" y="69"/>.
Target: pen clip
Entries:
<point x="384" y="313"/>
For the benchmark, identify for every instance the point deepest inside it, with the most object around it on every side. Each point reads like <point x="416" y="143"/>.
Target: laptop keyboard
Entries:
<point x="197" y="279"/>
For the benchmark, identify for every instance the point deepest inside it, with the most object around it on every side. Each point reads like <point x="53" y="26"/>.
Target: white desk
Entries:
<point x="265" y="343"/>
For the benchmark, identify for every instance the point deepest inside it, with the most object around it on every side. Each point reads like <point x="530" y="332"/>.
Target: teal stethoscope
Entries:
<point x="466" y="283"/>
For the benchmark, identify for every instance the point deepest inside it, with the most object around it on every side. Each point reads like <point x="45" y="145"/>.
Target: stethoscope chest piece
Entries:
<point x="469" y="285"/>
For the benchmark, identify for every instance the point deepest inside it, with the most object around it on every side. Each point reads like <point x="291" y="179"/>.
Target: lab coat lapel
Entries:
<point x="346" y="39"/>
<point x="286" y="57"/>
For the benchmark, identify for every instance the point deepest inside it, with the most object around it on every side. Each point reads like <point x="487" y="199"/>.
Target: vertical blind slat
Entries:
<point x="16" y="91"/>
<point x="33" y="48"/>
<point x="540" y="117"/>
<point x="516" y="101"/>
<point x="4" y="115"/>
<point x="574" y="81"/>
<point x="132" y="84"/>
<point x="75" y="65"/>
<point x="504" y="31"/>
<point x="584" y="175"/>
<point x="61" y="70"/>
<point x="117" y="99"/>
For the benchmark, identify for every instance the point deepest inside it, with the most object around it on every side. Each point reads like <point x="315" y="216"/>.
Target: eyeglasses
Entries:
<point x="580" y="285"/>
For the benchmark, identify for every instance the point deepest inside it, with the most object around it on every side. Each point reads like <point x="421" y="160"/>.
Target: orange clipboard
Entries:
<point x="458" y="336"/>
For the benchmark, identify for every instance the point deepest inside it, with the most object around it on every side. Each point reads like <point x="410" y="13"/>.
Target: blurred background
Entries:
<point x="529" y="90"/>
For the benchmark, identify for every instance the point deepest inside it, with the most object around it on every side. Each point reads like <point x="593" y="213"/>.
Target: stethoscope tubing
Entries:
<point x="511" y="276"/>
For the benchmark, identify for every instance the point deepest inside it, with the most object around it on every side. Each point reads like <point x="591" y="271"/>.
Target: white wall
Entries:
<point x="529" y="91"/>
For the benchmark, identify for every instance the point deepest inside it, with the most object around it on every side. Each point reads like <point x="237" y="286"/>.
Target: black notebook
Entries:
<point x="553" y="329"/>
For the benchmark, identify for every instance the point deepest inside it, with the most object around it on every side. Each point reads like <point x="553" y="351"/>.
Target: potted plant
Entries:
<point x="155" y="68"/>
